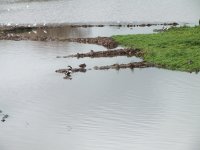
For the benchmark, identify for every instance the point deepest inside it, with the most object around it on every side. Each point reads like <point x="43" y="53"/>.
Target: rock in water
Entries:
<point x="82" y="65"/>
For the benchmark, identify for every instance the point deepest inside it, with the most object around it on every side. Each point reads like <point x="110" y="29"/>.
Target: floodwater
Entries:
<point x="141" y="109"/>
<point x="81" y="11"/>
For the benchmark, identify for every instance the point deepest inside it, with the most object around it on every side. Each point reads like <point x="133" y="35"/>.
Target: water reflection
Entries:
<point x="65" y="31"/>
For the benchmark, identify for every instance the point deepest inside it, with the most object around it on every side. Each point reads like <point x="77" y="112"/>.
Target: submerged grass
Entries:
<point x="177" y="48"/>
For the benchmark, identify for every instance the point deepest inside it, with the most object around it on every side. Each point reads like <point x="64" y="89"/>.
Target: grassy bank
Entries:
<point x="175" y="49"/>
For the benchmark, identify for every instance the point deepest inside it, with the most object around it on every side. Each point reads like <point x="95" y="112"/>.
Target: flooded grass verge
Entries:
<point x="176" y="49"/>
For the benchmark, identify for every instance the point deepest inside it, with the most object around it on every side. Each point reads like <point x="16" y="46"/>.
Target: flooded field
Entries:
<point x="130" y="109"/>
<point x="79" y="11"/>
<point x="141" y="109"/>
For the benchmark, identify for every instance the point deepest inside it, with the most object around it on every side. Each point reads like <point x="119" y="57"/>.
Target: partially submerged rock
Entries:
<point x="5" y="116"/>
<point x="82" y="65"/>
<point x="73" y="70"/>
<point x="109" y="53"/>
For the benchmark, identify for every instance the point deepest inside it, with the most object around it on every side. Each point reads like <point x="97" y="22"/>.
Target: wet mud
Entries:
<point x="108" y="53"/>
<point x="133" y="65"/>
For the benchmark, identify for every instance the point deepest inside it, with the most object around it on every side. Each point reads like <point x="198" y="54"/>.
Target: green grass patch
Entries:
<point x="177" y="48"/>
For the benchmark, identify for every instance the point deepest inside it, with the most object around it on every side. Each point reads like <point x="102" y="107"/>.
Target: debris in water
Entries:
<point x="133" y="65"/>
<point x="82" y="65"/>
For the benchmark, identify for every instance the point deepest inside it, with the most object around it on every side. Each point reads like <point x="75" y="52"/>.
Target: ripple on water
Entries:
<point x="126" y="109"/>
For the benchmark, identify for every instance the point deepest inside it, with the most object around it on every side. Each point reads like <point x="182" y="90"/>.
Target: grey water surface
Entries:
<point x="81" y="11"/>
<point x="140" y="109"/>
<point x="143" y="109"/>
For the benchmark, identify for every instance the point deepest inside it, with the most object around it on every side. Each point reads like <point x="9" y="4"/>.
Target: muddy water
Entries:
<point x="76" y="11"/>
<point x="143" y="109"/>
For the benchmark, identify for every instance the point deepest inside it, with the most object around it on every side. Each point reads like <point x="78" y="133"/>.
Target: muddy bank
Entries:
<point x="124" y="66"/>
<point x="17" y="37"/>
<point x="104" y="41"/>
<point x="126" y="25"/>
<point x="109" y="53"/>
<point x="23" y="33"/>
<point x="4" y="116"/>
